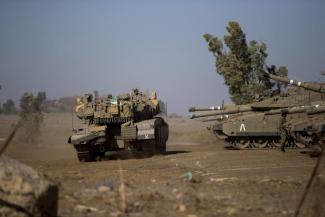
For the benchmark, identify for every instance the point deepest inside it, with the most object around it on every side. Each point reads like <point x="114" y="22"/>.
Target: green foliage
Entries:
<point x="31" y="118"/>
<point x="241" y="65"/>
<point x="9" y="107"/>
<point x="281" y="71"/>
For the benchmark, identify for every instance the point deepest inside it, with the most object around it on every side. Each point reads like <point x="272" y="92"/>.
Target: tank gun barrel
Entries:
<point x="308" y="109"/>
<point x="307" y="85"/>
<point x="211" y="108"/>
<point x="238" y="109"/>
<point x="219" y="118"/>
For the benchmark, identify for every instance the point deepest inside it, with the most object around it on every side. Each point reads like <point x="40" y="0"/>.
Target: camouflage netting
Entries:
<point x="24" y="192"/>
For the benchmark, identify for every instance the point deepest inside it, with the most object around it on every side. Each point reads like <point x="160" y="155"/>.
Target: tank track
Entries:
<point x="84" y="153"/>
<point x="91" y="151"/>
<point x="161" y="137"/>
<point x="154" y="146"/>
<point x="259" y="143"/>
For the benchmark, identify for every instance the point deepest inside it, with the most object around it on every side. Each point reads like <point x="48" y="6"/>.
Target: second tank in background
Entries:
<point x="260" y="124"/>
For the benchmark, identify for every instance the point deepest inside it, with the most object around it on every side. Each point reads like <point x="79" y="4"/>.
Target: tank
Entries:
<point x="309" y="130"/>
<point x="133" y="121"/>
<point x="258" y="125"/>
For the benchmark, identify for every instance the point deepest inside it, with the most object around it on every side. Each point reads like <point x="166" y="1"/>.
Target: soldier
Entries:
<point x="283" y="131"/>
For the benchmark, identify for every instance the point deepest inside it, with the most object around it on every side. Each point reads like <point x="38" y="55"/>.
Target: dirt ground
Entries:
<point x="223" y="183"/>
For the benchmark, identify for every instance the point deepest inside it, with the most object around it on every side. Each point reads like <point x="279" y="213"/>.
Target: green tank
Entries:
<point x="258" y="125"/>
<point x="133" y="121"/>
<point x="310" y="128"/>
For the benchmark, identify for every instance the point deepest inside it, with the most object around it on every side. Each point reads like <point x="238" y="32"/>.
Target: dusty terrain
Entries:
<point x="224" y="182"/>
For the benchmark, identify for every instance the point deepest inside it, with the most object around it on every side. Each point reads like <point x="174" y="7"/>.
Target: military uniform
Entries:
<point x="283" y="132"/>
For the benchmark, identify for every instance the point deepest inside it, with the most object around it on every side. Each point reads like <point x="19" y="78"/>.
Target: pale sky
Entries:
<point x="68" y="48"/>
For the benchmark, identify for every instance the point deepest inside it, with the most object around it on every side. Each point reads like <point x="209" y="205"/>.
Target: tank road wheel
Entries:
<point x="230" y="143"/>
<point x="260" y="143"/>
<point x="275" y="143"/>
<point x="300" y="145"/>
<point x="243" y="143"/>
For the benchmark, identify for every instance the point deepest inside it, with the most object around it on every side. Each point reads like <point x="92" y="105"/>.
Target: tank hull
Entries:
<point x="257" y="130"/>
<point x="148" y="136"/>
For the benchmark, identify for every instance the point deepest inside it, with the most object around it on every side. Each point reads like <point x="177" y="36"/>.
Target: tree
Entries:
<point x="31" y="118"/>
<point x="241" y="64"/>
<point x="41" y="96"/>
<point x="281" y="71"/>
<point x="9" y="107"/>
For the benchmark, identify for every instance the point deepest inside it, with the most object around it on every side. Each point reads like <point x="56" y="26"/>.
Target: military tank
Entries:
<point x="133" y="121"/>
<point x="310" y="128"/>
<point x="255" y="126"/>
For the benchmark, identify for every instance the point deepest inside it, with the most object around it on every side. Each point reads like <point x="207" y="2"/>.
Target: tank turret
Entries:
<point x="117" y="109"/>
